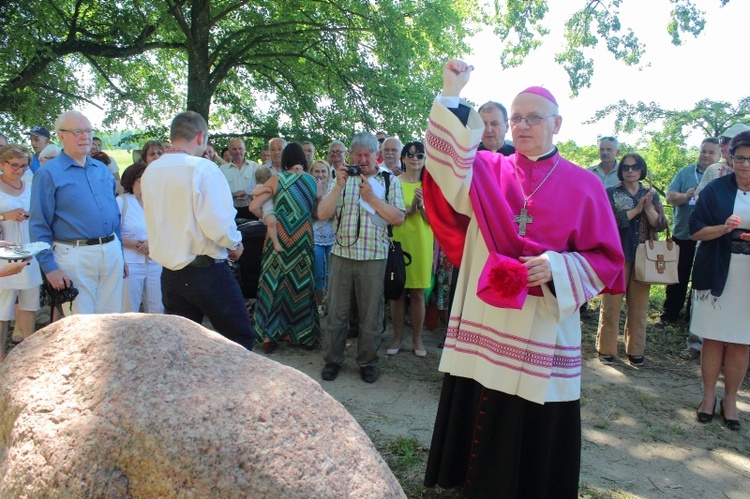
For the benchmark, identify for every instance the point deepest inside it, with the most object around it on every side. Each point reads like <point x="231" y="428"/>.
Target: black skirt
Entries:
<point x="492" y="444"/>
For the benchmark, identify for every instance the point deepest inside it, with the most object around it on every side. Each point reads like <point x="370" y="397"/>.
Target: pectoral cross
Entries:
<point x="522" y="220"/>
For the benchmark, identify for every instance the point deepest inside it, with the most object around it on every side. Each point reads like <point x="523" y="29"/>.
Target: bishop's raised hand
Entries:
<point x="456" y="75"/>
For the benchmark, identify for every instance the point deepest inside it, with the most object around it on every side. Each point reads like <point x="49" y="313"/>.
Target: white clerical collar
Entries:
<point x="534" y="158"/>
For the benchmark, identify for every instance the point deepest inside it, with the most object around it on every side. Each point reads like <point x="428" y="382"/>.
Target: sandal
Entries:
<point x="690" y="354"/>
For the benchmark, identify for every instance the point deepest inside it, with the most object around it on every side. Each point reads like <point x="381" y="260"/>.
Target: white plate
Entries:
<point x="22" y="251"/>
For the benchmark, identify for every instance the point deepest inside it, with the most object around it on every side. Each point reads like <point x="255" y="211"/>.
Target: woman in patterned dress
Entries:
<point x="285" y="309"/>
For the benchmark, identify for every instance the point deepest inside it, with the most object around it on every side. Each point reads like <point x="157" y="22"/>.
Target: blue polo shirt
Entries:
<point x="687" y="178"/>
<point x="70" y="202"/>
<point x="35" y="164"/>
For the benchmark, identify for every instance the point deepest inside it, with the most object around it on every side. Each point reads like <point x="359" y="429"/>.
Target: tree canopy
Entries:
<point x="301" y="68"/>
<point x="264" y="66"/>
<point x="520" y="23"/>
<point x="707" y="116"/>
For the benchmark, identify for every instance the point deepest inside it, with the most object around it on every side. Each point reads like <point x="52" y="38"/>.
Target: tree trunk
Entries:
<point x="199" y="72"/>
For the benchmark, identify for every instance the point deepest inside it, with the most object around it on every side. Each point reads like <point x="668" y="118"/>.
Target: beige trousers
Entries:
<point x="636" y="295"/>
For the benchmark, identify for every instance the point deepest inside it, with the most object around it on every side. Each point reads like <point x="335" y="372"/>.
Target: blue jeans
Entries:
<point x="213" y="292"/>
<point x="322" y="257"/>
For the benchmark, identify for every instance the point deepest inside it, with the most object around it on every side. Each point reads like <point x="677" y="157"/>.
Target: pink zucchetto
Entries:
<point x="541" y="91"/>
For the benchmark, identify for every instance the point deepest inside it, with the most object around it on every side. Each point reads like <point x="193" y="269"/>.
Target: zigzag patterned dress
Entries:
<point x="285" y="310"/>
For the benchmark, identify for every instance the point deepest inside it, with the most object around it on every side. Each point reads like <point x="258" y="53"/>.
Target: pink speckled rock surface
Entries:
<point x="139" y="405"/>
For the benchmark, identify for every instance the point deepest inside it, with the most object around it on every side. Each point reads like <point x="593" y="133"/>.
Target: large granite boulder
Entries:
<point x="156" y="406"/>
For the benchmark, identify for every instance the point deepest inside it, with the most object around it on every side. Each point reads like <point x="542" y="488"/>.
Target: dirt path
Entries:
<point x="640" y="436"/>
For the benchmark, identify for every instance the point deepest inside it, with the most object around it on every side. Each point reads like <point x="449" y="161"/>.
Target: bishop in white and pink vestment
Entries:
<point x="508" y="424"/>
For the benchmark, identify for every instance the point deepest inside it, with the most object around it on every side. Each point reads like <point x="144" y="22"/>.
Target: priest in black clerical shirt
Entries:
<point x="495" y="119"/>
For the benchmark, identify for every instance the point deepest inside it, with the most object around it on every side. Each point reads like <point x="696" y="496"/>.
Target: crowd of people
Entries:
<point x="472" y="210"/>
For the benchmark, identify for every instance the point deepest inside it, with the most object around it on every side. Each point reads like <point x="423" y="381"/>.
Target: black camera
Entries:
<point x="353" y="170"/>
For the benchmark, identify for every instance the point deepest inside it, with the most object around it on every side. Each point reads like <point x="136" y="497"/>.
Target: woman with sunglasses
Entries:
<point x="638" y="213"/>
<point x="15" y="198"/>
<point x="416" y="239"/>
<point x="721" y="222"/>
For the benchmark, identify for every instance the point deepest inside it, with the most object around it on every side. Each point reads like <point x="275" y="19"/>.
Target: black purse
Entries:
<point x="398" y="259"/>
<point x="395" y="270"/>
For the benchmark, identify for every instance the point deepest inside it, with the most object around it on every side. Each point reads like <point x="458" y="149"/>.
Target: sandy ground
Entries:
<point x="640" y="436"/>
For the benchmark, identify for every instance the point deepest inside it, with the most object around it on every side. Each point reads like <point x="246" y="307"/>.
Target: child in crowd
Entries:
<point x="262" y="174"/>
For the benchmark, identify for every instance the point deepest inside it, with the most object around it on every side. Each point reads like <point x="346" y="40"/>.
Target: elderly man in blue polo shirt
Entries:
<point x="73" y="209"/>
<point x="681" y="194"/>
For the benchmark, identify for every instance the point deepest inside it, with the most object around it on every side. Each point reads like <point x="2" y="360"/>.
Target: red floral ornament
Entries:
<point x="508" y="278"/>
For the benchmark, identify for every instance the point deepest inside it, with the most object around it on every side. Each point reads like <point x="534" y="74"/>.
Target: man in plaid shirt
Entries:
<point x="362" y="214"/>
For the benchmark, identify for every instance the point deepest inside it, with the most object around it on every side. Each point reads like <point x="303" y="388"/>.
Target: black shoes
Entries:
<point x="369" y="374"/>
<point x="330" y="371"/>
<point x="636" y="360"/>
<point x="704" y="417"/>
<point x="607" y="360"/>
<point x="732" y="424"/>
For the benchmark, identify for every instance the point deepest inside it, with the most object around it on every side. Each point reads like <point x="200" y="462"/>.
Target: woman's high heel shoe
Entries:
<point x="704" y="417"/>
<point x="732" y="424"/>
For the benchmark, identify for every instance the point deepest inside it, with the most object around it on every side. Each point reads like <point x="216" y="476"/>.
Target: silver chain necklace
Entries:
<point x="523" y="218"/>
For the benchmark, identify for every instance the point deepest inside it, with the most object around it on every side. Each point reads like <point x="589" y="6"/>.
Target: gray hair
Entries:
<point x="64" y="116"/>
<point x="50" y="150"/>
<point x="283" y="142"/>
<point x="610" y="139"/>
<point x="311" y="144"/>
<point x="366" y="141"/>
<point x="4" y="138"/>
<point x="398" y="141"/>
<point x="337" y="143"/>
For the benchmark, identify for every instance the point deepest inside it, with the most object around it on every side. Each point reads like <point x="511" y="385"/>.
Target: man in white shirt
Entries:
<point x="191" y="233"/>
<point x="240" y="174"/>
<point x="392" y="155"/>
<point x="276" y="147"/>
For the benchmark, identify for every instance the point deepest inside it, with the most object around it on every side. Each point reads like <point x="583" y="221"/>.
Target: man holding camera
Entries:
<point x="362" y="211"/>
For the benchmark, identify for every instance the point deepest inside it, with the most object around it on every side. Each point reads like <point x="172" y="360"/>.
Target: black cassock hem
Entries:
<point x="492" y="444"/>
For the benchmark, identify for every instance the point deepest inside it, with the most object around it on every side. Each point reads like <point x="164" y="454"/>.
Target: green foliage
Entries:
<point x="519" y="23"/>
<point x="664" y="148"/>
<point x="317" y="69"/>
<point x="583" y="31"/>
<point x="584" y="156"/>
<point x="685" y="17"/>
<point x="707" y="116"/>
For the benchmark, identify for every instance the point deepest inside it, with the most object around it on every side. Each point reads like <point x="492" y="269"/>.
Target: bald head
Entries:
<point x="534" y="121"/>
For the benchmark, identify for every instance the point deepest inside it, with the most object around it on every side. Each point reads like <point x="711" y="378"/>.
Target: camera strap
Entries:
<point x="387" y="180"/>
<point x="341" y="212"/>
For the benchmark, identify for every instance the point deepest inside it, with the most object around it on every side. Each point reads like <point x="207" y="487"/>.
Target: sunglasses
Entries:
<point x="627" y="168"/>
<point x="418" y="155"/>
<point x="724" y="140"/>
<point x="381" y="139"/>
